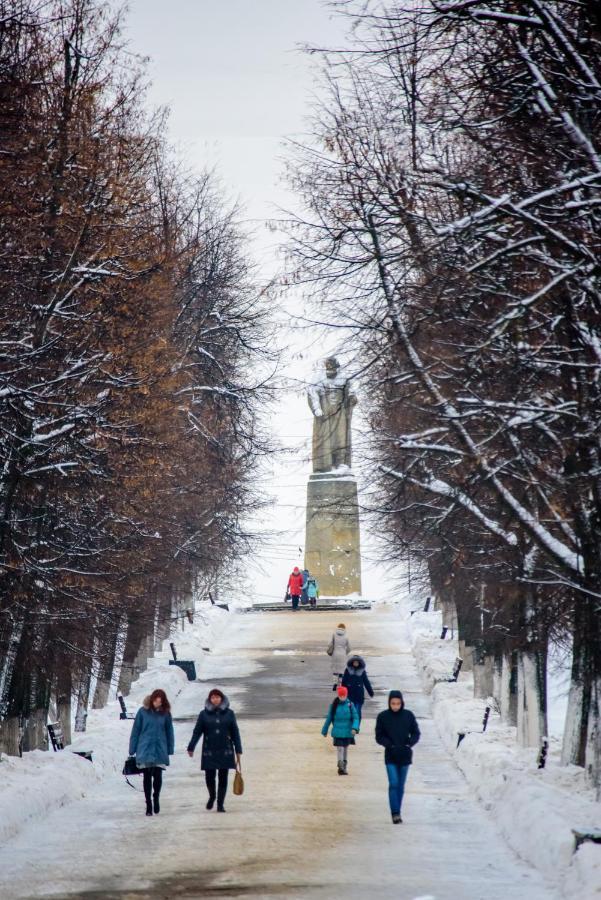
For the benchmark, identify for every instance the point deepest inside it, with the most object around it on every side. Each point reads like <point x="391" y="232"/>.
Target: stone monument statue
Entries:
<point x="332" y="546"/>
<point x="332" y="400"/>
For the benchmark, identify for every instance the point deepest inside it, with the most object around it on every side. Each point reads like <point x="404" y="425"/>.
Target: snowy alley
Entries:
<point x="298" y="831"/>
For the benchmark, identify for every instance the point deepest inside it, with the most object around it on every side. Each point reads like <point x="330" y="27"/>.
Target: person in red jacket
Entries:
<point x="295" y="586"/>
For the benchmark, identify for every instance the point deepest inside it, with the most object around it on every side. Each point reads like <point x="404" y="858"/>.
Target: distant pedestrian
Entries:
<point x="312" y="590"/>
<point x="356" y="681"/>
<point x="221" y="746"/>
<point x="304" y="592"/>
<point x="398" y="732"/>
<point x="342" y="717"/>
<point x="295" y="586"/>
<point x="339" y="649"/>
<point x="152" y="742"/>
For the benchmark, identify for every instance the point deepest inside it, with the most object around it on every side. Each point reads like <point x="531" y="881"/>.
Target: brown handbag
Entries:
<point x="238" y="782"/>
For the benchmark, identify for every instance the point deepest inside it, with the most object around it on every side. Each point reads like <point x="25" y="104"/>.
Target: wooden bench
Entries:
<point x="454" y="674"/>
<point x="57" y="739"/>
<point x="123" y="714"/>
<point x="584" y="835"/>
<point x="187" y="665"/>
<point x="485" y="718"/>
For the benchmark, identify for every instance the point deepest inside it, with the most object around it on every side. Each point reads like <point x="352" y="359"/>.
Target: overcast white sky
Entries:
<point x="238" y="84"/>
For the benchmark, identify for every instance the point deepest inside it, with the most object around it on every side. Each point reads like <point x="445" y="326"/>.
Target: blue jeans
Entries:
<point x="397" y="776"/>
<point x="358" y="707"/>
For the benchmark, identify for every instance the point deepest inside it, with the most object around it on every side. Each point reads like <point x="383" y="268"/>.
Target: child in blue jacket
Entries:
<point x="342" y="717"/>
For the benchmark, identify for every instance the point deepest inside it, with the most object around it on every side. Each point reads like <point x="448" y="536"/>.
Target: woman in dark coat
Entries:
<point x="221" y="746"/>
<point x="398" y="732"/>
<point x="152" y="743"/>
<point x="355" y="680"/>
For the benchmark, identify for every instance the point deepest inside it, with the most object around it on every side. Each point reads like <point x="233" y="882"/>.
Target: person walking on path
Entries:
<point x="398" y="732"/>
<point x="343" y="718"/>
<point x="304" y="593"/>
<point x="339" y="649"/>
<point x="356" y="681"/>
<point x="295" y="586"/>
<point x="152" y="742"/>
<point x="221" y="746"/>
<point x="312" y="590"/>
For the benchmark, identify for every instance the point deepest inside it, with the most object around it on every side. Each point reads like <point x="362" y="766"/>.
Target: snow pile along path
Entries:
<point x="535" y="809"/>
<point x="42" y="781"/>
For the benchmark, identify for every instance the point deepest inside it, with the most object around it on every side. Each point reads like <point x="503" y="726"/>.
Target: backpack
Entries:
<point x="335" y="706"/>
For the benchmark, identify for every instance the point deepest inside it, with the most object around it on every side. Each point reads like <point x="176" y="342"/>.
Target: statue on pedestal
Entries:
<point x="332" y="401"/>
<point x="332" y="542"/>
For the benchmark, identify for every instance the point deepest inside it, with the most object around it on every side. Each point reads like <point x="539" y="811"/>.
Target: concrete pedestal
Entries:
<point x="332" y="545"/>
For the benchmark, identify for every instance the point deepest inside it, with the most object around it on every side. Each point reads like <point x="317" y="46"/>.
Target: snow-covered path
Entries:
<point x="299" y="830"/>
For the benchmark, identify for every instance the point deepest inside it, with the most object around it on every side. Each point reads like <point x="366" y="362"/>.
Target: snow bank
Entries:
<point x="43" y="780"/>
<point x="535" y="809"/>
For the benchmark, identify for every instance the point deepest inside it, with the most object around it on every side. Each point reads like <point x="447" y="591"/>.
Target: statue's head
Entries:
<point x="332" y="367"/>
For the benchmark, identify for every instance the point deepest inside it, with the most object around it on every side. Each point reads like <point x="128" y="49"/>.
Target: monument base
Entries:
<point x="332" y="546"/>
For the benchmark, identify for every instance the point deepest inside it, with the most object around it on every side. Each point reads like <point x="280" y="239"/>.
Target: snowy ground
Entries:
<point x="534" y="809"/>
<point x="299" y="830"/>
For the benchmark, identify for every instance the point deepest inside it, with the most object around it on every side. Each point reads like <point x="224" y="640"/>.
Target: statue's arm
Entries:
<point x="314" y="402"/>
<point x="351" y="396"/>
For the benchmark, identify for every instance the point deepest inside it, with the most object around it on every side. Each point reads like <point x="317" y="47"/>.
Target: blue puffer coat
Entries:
<point x="346" y="720"/>
<point x="152" y="740"/>
<point x="218" y="726"/>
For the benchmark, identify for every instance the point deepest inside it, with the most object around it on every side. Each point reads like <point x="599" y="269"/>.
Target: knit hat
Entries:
<point x="342" y="625"/>
<point x="342" y="692"/>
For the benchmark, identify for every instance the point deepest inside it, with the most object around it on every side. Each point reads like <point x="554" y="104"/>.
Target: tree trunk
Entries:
<point x="106" y="666"/>
<point x="449" y="614"/>
<point x="163" y="629"/>
<point x="508" y="700"/>
<point x="129" y="671"/>
<point x="482" y="663"/>
<point x="35" y="733"/>
<point x="10" y="734"/>
<point x="581" y="733"/>
<point x="64" y="690"/>
<point x="83" y="697"/>
<point x="532" y="698"/>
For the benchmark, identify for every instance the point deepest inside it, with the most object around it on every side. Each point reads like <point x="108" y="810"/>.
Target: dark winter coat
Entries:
<point x="152" y="741"/>
<point x="218" y="727"/>
<point x="345" y="721"/>
<point x="397" y="732"/>
<point x="356" y="680"/>
<point x="295" y="583"/>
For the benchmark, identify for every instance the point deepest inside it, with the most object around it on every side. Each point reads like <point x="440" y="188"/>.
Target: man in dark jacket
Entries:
<point x="221" y="746"/>
<point x="397" y="731"/>
<point x="356" y="681"/>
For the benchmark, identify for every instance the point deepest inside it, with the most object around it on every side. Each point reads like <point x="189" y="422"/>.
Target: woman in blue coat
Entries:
<point x="343" y="718"/>
<point x="221" y="746"/>
<point x="152" y="742"/>
<point x="356" y="681"/>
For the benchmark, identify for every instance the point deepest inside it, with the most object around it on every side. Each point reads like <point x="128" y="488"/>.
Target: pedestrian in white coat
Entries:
<point x="339" y="649"/>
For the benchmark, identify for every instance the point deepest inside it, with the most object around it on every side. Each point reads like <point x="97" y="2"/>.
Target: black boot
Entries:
<point x="220" y="807"/>
<point x="157" y="808"/>
<point x="148" y="808"/>
<point x="211" y="802"/>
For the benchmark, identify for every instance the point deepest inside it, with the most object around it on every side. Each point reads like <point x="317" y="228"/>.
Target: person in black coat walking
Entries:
<point x="355" y="680"/>
<point x="221" y="746"/>
<point x="397" y="731"/>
